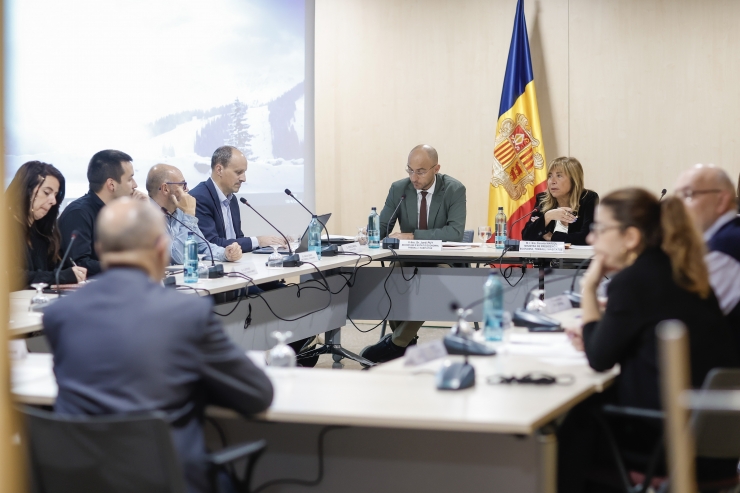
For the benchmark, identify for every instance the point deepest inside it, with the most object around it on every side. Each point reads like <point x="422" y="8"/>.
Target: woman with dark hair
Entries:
<point x="34" y="196"/>
<point x="653" y="255"/>
<point x="565" y="209"/>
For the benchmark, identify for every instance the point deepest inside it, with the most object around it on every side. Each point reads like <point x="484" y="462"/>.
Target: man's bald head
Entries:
<point x="708" y="193"/>
<point x="160" y="174"/>
<point x="126" y="225"/>
<point x="429" y="151"/>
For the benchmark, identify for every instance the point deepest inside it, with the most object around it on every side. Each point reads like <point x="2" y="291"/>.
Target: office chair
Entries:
<point x="116" y="454"/>
<point x="717" y="435"/>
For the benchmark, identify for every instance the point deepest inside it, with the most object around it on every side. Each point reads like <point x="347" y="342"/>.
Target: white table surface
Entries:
<point x="393" y="395"/>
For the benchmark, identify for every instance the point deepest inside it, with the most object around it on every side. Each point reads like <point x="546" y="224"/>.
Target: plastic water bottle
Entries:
<point x="500" y="228"/>
<point x="314" y="236"/>
<point x="190" y="262"/>
<point x="373" y="229"/>
<point x="493" y="308"/>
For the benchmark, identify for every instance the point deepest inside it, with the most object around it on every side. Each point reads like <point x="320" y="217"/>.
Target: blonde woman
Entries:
<point x="566" y="209"/>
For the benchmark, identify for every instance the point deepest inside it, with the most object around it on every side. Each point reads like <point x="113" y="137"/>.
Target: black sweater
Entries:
<point x="640" y="297"/>
<point x="577" y="231"/>
<point x="40" y="266"/>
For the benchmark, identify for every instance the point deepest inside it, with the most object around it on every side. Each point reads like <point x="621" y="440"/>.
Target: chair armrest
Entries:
<point x="236" y="452"/>
<point x="633" y="412"/>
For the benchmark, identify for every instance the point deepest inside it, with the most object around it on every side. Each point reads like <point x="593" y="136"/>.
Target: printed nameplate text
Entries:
<point x="353" y="247"/>
<point x="247" y="268"/>
<point x="429" y="245"/>
<point x="542" y="247"/>
<point x="308" y="256"/>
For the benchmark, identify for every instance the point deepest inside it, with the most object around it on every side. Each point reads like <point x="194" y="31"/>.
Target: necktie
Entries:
<point x="228" y="221"/>
<point x="423" y="211"/>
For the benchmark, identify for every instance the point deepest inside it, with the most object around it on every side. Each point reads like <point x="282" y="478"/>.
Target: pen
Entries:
<point x="73" y="262"/>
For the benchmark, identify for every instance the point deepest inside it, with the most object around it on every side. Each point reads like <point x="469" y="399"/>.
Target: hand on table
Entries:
<point x="271" y="240"/>
<point x="80" y="273"/>
<point x="233" y="252"/>
<point x="402" y="236"/>
<point x="575" y="334"/>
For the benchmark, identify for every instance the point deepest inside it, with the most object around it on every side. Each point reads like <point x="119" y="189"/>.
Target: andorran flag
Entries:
<point x="519" y="172"/>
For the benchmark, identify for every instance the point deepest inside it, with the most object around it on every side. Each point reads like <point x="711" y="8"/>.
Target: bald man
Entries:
<point x="169" y="190"/>
<point x="126" y="345"/>
<point x="434" y="209"/>
<point x="709" y="195"/>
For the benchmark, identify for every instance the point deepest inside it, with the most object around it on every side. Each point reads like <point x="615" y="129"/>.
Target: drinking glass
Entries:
<point x="275" y="260"/>
<point x="39" y="298"/>
<point x="484" y="233"/>
<point x="535" y="303"/>
<point x="361" y="237"/>
<point x="202" y="268"/>
<point x="281" y="355"/>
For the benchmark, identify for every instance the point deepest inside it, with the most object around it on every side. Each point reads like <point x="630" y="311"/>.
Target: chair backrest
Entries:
<point x="112" y="454"/>
<point x="468" y="236"/>
<point x="718" y="433"/>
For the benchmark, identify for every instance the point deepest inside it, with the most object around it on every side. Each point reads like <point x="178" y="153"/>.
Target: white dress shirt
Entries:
<point x="429" y="192"/>
<point x="228" y="220"/>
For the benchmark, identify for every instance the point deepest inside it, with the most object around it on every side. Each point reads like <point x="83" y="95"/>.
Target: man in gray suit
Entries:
<point x="434" y="209"/>
<point x="125" y="345"/>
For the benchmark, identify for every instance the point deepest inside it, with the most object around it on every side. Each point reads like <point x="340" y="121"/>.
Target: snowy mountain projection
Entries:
<point x="166" y="82"/>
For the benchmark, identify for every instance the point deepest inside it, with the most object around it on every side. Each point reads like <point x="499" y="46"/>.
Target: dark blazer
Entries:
<point x="211" y="219"/>
<point x="723" y="262"/>
<point x="577" y="231"/>
<point x="125" y="345"/>
<point x="640" y="297"/>
<point x="447" y="211"/>
<point x="80" y="215"/>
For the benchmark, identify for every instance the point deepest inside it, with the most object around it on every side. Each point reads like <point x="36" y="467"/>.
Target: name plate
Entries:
<point x="428" y="245"/>
<point x="418" y="354"/>
<point x="542" y="247"/>
<point x="248" y="269"/>
<point x="350" y="247"/>
<point x="308" y="256"/>
<point x="557" y="304"/>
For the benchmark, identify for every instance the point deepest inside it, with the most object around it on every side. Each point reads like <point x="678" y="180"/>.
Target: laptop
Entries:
<point x="302" y="247"/>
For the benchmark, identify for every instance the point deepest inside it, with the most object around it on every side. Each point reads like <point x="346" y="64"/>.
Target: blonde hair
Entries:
<point x="666" y="225"/>
<point x="574" y="171"/>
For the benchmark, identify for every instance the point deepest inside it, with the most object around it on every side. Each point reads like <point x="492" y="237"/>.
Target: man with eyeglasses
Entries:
<point x="709" y="196"/>
<point x="110" y="174"/>
<point x="434" y="209"/>
<point x="167" y="188"/>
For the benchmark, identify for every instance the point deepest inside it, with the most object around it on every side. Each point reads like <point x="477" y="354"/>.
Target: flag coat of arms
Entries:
<point x="519" y="167"/>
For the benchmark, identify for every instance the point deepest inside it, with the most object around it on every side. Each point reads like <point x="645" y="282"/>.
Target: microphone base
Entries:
<point x="292" y="261"/>
<point x="575" y="298"/>
<point x="535" y="322"/>
<point x="216" y="271"/>
<point x="391" y="243"/>
<point x="512" y="245"/>
<point x="169" y="282"/>
<point x="330" y="251"/>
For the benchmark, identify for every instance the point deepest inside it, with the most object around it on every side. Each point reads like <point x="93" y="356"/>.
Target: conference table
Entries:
<point x="390" y="429"/>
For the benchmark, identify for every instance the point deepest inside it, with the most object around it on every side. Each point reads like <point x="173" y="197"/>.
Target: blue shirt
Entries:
<point x="179" y="235"/>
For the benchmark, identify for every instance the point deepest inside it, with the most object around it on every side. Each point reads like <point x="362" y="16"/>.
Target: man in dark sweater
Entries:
<point x="709" y="196"/>
<point x="111" y="175"/>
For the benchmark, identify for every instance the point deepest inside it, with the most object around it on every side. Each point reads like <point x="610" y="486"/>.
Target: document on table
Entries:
<point x="552" y="349"/>
<point x="457" y="245"/>
<point x="580" y="247"/>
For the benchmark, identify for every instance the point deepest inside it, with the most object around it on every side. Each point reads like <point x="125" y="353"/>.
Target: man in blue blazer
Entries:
<point x="126" y="345"/>
<point x="217" y="208"/>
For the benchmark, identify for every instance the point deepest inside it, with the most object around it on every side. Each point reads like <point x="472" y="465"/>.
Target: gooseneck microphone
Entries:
<point x="214" y="271"/>
<point x="72" y="239"/>
<point x="512" y="244"/>
<point x="392" y="243"/>
<point x="662" y="194"/>
<point x="330" y="250"/>
<point x="292" y="260"/>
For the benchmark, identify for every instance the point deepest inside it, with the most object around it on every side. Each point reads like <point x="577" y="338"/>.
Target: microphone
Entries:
<point x="214" y="271"/>
<point x="330" y="250"/>
<point x="392" y="243"/>
<point x="512" y="244"/>
<point x="292" y="260"/>
<point x="575" y="298"/>
<point x="662" y="194"/>
<point x="72" y="239"/>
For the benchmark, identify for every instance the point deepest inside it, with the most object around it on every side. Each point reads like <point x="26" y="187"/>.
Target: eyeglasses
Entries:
<point x="418" y="172"/>
<point x="183" y="183"/>
<point x="688" y="194"/>
<point x="599" y="229"/>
